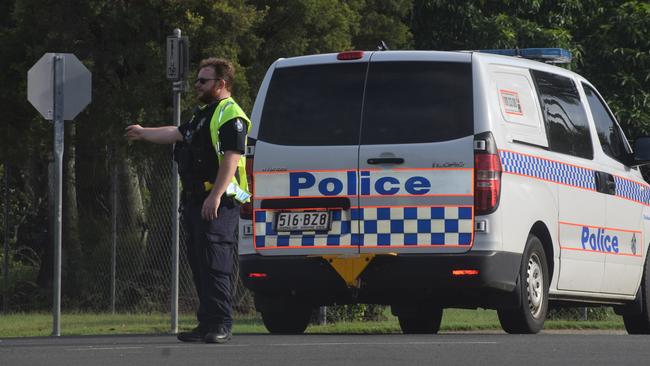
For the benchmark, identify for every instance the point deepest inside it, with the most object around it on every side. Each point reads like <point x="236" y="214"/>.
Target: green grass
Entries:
<point x="40" y="324"/>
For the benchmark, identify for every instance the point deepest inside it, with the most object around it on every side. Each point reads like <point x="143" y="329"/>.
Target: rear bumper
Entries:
<point x="391" y="279"/>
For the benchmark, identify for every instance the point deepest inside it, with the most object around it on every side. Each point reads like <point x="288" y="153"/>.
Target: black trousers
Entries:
<point x="211" y="247"/>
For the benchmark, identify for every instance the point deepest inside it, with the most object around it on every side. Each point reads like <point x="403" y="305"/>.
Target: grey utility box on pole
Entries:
<point x="59" y="87"/>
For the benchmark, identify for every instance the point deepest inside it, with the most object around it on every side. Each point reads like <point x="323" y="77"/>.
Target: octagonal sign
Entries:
<point x="76" y="83"/>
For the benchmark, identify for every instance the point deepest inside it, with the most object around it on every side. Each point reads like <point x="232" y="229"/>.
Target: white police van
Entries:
<point x="425" y="180"/>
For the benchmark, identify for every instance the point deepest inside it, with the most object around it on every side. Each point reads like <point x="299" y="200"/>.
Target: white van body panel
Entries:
<point x="553" y="192"/>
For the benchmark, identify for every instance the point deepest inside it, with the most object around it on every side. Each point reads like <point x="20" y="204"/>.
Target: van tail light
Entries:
<point x="487" y="174"/>
<point x="246" y="210"/>
<point x="464" y="272"/>
<point x="349" y="55"/>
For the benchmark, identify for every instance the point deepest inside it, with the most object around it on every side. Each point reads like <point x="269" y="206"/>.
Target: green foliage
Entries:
<point x="123" y="45"/>
<point x="615" y="44"/>
<point x="479" y="24"/>
<point x="384" y="20"/>
<point x="589" y="313"/>
<point x="356" y="312"/>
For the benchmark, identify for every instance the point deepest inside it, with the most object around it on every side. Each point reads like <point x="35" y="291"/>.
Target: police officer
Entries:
<point x="210" y="154"/>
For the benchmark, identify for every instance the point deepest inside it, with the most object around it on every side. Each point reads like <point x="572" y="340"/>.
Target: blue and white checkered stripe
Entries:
<point x="416" y="226"/>
<point x="632" y="190"/>
<point x="380" y="227"/>
<point x="547" y="169"/>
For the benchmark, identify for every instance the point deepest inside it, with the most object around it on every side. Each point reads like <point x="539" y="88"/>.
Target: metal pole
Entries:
<point x="113" y="228"/>
<point x="58" y="182"/>
<point x="177" y="88"/>
<point x="322" y="315"/>
<point x="5" y="265"/>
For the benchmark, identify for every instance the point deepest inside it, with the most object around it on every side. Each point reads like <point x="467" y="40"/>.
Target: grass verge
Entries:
<point x="40" y="324"/>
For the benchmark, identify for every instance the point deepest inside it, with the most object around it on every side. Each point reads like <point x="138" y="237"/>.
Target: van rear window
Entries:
<point x="314" y="105"/>
<point x="417" y="102"/>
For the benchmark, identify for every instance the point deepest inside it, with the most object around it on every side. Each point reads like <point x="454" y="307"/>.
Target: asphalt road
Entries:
<point x="326" y="349"/>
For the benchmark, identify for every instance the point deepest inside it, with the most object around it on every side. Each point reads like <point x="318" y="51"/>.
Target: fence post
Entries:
<point x="322" y="315"/>
<point x="5" y="265"/>
<point x="113" y="162"/>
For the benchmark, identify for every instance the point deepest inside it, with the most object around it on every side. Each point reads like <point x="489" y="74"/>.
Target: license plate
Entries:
<point x="302" y="221"/>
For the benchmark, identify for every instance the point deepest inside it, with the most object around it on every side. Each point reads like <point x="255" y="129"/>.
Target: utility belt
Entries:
<point x="197" y="193"/>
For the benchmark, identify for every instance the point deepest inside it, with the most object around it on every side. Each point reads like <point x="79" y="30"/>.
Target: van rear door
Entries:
<point x="416" y="154"/>
<point x="306" y="157"/>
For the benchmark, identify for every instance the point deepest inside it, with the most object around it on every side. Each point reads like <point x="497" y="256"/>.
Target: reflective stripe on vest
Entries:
<point x="227" y="110"/>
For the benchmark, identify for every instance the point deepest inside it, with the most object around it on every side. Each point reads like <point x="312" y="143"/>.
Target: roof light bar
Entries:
<point x="548" y="55"/>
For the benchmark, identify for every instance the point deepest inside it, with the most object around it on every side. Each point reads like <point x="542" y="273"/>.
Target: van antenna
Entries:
<point x="382" y="46"/>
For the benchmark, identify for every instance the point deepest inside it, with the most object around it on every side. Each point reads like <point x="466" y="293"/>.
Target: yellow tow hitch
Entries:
<point x="349" y="267"/>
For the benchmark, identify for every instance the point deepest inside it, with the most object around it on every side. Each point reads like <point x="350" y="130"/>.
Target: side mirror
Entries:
<point x="641" y="155"/>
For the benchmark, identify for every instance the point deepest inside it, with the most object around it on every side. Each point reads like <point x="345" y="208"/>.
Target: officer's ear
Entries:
<point x="217" y="83"/>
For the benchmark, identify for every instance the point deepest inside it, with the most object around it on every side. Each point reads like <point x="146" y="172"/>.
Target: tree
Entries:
<point x="615" y="48"/>
<point x="479" y="24"/>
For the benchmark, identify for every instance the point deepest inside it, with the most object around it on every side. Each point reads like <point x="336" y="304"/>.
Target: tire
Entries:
<point x="426" y="321"/>
<point x="293" y="320"/>
<point x="640" y="323"/>
<point x="533" y="284"/>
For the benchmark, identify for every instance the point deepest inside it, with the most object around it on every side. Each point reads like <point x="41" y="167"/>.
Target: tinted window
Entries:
<point x="411" y="102"/>
<point x="610" y="135"/>
<point x="566" y="121"/>
<point x="314" y="105"/>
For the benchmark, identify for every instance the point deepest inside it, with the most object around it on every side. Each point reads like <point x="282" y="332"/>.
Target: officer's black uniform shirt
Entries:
<point x="196" y="157"/>
<point x="232" y="135"/>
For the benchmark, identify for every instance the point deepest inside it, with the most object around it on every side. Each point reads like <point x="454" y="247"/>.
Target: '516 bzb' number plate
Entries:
<point x="302" y="221"/>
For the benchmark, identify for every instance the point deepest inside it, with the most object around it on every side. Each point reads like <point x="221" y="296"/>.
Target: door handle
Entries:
<point x="385" y="161"/>
<point x="605" y="183"/>
<point x="611" y="184"/>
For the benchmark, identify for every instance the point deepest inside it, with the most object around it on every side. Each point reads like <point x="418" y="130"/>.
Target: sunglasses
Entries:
<point x="203" y="80"/>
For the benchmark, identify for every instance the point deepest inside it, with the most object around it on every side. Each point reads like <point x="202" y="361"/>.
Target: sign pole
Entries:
<point x="59" y="87"/>
<point x="58" y="196"/>
<point x="177" y="89"/>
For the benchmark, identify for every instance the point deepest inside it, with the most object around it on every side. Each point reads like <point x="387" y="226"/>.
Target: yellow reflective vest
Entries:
<point x="226" y="110"/>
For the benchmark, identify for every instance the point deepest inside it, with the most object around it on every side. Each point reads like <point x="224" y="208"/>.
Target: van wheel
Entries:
<point x="640" y="323"/>
<point x="423" y="322"/>
<point x="533" y="284"/>
<point x="290" y="321"/>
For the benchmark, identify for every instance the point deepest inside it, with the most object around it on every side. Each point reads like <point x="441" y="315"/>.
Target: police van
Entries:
<point x="427" y="180"/>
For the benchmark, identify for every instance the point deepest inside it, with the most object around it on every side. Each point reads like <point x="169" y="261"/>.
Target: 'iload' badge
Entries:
<point x="239" y="126"/>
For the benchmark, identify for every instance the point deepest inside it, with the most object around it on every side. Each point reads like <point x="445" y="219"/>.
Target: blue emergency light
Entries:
<point x="548" y="55"/>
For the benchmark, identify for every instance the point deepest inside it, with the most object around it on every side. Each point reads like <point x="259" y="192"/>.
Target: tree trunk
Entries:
<point x="71" y="246"/>
<point x="46" y="251"/>
<point x="133" y="222"/>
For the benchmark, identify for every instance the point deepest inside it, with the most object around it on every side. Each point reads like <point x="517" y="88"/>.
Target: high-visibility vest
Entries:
<point x="226" y="110"/>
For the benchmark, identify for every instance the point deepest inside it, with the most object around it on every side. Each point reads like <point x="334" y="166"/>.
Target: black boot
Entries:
<point x="218" y="334"/>
<point x="195" y="335"/>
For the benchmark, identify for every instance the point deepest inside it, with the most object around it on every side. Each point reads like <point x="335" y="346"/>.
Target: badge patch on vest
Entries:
<point x="238" y="125"/>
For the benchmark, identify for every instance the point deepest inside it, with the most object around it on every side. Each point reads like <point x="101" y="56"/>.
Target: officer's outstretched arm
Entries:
<point x="157" y="135"/>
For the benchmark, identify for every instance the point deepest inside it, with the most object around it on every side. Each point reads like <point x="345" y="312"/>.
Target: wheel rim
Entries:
<point x="535" y="280"/>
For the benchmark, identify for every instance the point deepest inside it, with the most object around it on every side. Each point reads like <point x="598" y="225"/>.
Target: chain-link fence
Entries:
<point x="117" y="238"/>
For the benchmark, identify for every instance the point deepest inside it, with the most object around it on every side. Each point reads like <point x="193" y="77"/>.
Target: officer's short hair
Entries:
<point x="223" y="69"/>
